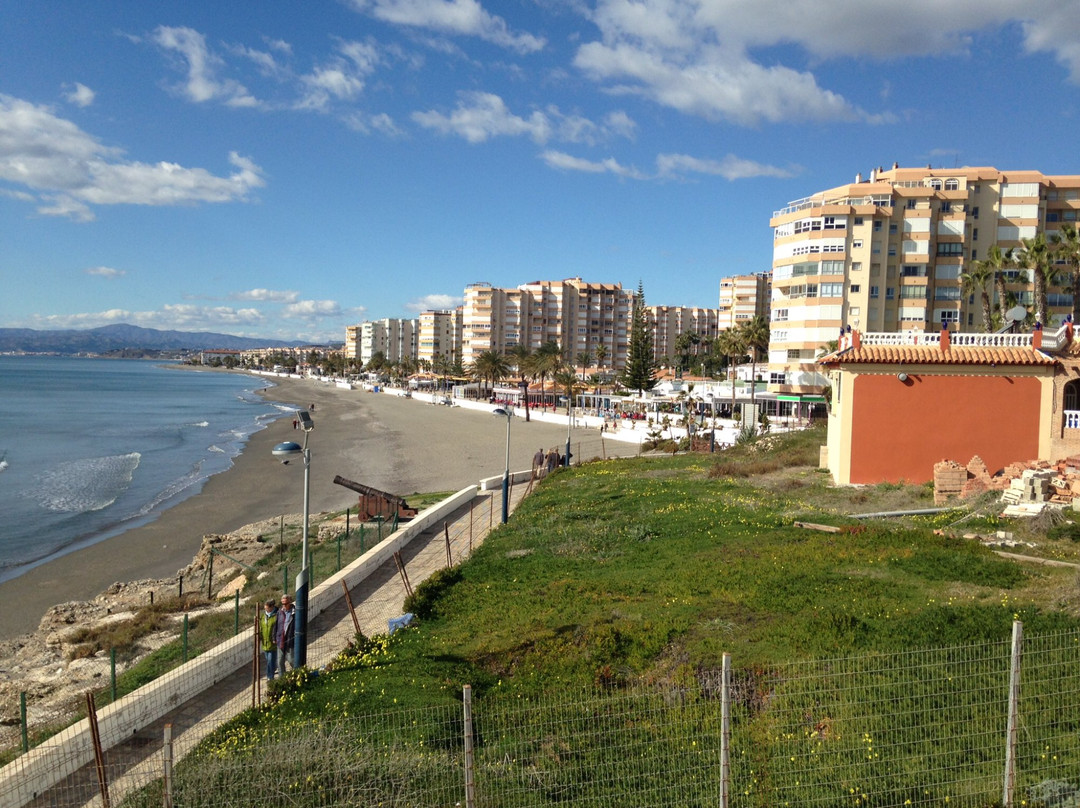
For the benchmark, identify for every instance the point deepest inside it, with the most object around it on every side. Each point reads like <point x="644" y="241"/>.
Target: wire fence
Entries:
<point x="986" y="724"/>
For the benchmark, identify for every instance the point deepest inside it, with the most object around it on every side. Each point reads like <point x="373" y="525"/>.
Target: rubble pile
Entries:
<point x="1027" y="488"/>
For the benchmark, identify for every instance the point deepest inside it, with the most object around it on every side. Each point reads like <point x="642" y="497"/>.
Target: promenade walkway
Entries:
<point x="137" y="761"/>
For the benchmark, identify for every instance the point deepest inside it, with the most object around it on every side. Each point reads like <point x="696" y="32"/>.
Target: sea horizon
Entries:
<point x="93" y="447"/>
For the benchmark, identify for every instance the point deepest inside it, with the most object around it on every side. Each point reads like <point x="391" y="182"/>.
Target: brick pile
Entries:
<point x="1022" y="484"/>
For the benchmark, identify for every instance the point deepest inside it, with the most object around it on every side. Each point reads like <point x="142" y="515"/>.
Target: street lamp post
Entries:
<point x="286" y="451"/>
<point x="569" y="417"/>
<point x="506" y="473"/>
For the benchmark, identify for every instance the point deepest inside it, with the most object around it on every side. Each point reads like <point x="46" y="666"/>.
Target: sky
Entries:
<point x="284" y="170"/>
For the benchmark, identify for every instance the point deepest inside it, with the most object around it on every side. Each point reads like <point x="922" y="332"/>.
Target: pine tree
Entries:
<point x="640" y="370"/>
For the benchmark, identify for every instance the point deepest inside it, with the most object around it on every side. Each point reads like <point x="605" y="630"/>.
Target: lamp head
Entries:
<point x="304" y="417"/>
<point x="501" y="411"/>
<point x="286" y="451"/>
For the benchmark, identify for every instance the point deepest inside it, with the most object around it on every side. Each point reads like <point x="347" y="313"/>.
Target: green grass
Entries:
<point x="643" y="573"/>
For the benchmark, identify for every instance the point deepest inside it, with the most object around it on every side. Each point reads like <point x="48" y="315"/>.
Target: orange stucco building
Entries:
<point x="903" y="402"/>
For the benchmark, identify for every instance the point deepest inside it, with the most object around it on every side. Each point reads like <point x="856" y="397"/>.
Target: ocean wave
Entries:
<point x="215" y="448"/>
<point x="203" y="424"/>
<point x="89" y="484"/>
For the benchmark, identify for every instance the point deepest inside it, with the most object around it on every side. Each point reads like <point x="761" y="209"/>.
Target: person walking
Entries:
<point x="286" y="633"/>
<point x="268" y="636"/>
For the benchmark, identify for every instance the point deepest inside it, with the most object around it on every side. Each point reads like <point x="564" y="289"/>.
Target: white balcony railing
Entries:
<point x="1052" y="340"/>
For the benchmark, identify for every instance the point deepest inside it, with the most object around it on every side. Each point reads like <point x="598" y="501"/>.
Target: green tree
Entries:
<point x="731" y="344"/>
<point x="521" y="356"/>
<point x="979" y="274"/>
<point x="640" y="371"/>
<point x="1066" y="248"/>
<point x="755" y="335"/>
<point x="685" y="344"/>
<point x="545" y="361"/>
<point x="489" y="365"/>
<point x="584" y="358"/>
<point x="1001" y="262"/>
<point x="601" y="353"/>
<point x="1035" y="256"/>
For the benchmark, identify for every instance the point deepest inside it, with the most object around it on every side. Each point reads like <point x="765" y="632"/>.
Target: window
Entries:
<point x="947" y="293"/>
<point x="1069" y="215"/>
<point x="890" y="293"/>
<point x="777" y="378"/>
<point x="1052" y="196"/>
<point x="855" y="311"/>
<point x="1052" y="216"/>
<point x="855" y="288"/>
<point x="779" y="336"/>
<point x="832" y="267"/>
<point x="892" y="249"/>
<point x="892" y="227"/>
<point x="832" y="290"/>
<point x="950" y="248"/>
<point x="856" y="266"/>
<point x="952" y="185"/>
<point x="971" y="318"/>
<point x="974" y="254"/>
<point x="935" y="184"/>
<point x="913" y="292"/>
<point x="857" y="244"/>
<point x="858" y="220"/>
<point x="913" y="271"/>
<point x="910" y="204"/>
<point x="975" y="234"/>
<point x="873" y="291"/>
<point x="877" y="225"/>
<point x="780" y="315"/>
<point x="832" y="224"/>
<point x="975" y="211"/>
<point x="793" y="355"/>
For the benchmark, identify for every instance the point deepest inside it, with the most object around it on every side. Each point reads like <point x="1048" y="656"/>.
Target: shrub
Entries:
<point x="422" y="602"/>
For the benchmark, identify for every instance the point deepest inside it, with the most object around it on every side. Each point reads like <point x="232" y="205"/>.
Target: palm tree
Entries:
<point x="545" y="361"/>
<point x="976" y="279"/>
<point x="522" y="358"/>
<point x="601" y="353"/>
<point x="1066" y="247"/>
<point x="731" y="344"/>
<point x="755" y="334"/>
<point x="1000" y="263"/>
<point x="583" y="359"/>
<point x="1036" y="256"/>
<point x="489" y="365"/>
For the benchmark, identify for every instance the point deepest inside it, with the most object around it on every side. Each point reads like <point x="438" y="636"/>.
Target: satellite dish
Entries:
<point x="1016" y="314"/>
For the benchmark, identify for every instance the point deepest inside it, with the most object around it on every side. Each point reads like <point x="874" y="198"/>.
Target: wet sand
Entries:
<point x="398" y="445"/>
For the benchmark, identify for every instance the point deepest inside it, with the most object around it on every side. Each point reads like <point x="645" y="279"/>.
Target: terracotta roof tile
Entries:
<point x="933" y="355"/>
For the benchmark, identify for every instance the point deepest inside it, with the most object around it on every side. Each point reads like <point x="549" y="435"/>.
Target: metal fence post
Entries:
<point x="112" y="673"/>
<point x="236" y="612"/>
<point x="725" y="732"/>
<point x="185" y="636"/>
<point x="22" y="721"/>
<point x="1014" y="708"/>
<point x="470" y="787"/>
<point x="167" y="762"/>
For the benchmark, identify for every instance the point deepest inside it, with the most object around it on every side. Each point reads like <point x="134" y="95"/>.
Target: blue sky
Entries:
<point x="286" y="169"/>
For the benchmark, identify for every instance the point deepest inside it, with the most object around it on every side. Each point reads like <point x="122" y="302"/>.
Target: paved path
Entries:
<point x="378" y="598"/>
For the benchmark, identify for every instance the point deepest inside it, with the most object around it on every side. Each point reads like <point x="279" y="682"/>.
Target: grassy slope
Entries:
<point x="649" y="569"/>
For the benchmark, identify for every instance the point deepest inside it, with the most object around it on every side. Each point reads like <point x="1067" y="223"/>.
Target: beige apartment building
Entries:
<point x="578" y="316"/>
<point x="668" y="322"/>
<point x="394" y="338"/>
<point x="744" y="297"/>
<point x="439" y="335"/>
<point x="886" y="254"/>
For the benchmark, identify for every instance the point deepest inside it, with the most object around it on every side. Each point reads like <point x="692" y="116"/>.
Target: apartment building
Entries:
<point x="394" y="338"/>
<point x="668" y="322"/>
<point x="439" y="335"/>
<point x="744" y="297"/>
<point x="886" y="254"/>
<point x="578" y="316"/>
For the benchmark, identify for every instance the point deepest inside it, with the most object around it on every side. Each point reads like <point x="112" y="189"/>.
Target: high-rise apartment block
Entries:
<point x="578" y="316"/>
<point x="744" y="297"/>
<point x="887" y="254"/>
<point x="439" y="335"/>
<point x="668" y="322"/>
<point x="394" y="338"/>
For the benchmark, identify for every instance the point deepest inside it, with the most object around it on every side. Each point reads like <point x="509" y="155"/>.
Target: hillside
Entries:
<point x="120" y="337"/>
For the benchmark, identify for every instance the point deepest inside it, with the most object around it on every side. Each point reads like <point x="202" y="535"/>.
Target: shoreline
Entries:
<point x="397" y="445"/>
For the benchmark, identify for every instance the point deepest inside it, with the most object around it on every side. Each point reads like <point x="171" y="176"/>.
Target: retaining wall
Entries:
<point x="43" y="767"/>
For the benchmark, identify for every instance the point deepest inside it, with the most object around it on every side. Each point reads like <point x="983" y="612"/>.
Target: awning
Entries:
<point x="804" y="399"/>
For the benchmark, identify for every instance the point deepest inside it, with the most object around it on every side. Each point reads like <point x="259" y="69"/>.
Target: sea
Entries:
<point x="90" y="448"/>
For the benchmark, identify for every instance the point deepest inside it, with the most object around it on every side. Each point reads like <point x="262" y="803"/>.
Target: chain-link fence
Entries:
<point x="988" y="724"/>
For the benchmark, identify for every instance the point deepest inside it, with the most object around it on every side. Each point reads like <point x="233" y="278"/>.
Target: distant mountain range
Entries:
<point x="111" y="338"/>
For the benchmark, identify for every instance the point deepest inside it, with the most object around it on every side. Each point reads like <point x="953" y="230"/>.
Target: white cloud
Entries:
<point x="266" y="296"/>
<point x="80" y="95"/>
<point x="106" y="272"/>
<point x="434" y="303"/>
<point x="180" y="317"/>
<point x="311" y="309"/>
<point x="366" y="124"/>
<point x="730" y="168"/>
<point x="455" y="17"/>
<point x="567" y="162"/>
<point x="480" y="116"/>
<point x="696" y="56"/>
<point x="202" y="83"/>
<point x="342" y="77"/>
<point x="70" y="170"/>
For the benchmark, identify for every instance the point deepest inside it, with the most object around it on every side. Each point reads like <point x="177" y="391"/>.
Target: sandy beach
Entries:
<point x="398" y="445"/>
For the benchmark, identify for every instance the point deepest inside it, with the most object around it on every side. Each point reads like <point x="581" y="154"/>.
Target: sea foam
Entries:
<point x="90" y="484"/>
